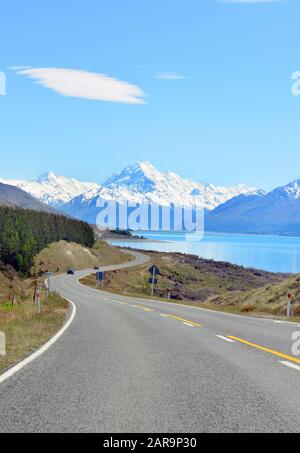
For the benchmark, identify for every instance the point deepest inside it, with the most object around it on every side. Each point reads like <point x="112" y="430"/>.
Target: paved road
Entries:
<point x="130" y="365"/>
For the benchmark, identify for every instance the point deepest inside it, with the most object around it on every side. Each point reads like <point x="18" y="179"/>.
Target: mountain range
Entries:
<point x="52" y="189"/>
<point x="277" y="212"/>
<point x="235" y="209"/>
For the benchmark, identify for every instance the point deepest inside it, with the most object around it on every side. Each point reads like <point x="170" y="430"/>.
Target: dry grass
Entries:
<point x="26" y="330"/>
<point x="271" y="299"/>
<point x="59" y="257"/>
<point x="219" y="286"/>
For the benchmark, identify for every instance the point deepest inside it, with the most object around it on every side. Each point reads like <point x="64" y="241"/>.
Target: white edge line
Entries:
<point x="43" y="349"/>
<point x="229" y="340"/>
<point x="188" y="324"/>
<point x="291" y="365"/>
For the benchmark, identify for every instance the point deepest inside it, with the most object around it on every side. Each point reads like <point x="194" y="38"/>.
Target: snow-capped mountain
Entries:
<point x="290" y="191"/>
<point x="142" y="183"/>
<point x="53" y="189"/>
<point x="139" y="183"/>
<point x="277" y="212"/>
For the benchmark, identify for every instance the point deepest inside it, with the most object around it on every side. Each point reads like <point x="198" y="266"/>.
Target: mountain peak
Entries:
<point x="290" y="191"/>
<point x="47" y="177"/>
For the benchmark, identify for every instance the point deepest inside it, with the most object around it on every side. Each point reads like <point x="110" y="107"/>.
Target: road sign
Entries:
<point x="154" y="270"/>
<point x="100" y="276"/>
<point x="49" y="275"/>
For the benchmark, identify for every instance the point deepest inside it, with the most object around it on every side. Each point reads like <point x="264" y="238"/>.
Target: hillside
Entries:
<point x="59" y="257"/>
<point x="206" y="283"/>
<point x="15" y="197"/>
<point x="277" y="212"/>
<point x="24" y="233"/>
<point x="271" y="299"/>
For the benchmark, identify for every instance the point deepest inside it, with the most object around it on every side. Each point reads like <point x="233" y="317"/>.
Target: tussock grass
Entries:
<point x="209" y="284"/>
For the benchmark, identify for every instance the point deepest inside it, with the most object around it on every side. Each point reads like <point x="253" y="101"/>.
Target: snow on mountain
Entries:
<point x="142" y="183"/>
<point x="290" y="191"/>
<point x="53" y="189"/>
<point x="139" y="183"/>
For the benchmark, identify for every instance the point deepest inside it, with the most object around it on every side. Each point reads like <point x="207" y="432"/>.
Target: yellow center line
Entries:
<point x="122" y="303"/>
<point x="185" y="320"/>
<point x="144" y="308"/>
<point x="262" y="348"/>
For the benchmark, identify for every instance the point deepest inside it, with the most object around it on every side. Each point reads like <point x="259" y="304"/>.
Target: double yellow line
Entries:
<point x="262" y="348"/>
<point x="187" y="321"/>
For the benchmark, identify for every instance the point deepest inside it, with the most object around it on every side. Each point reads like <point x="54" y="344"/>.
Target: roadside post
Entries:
<point x="154" y="271"/>
<point x="38" y="299"/>
<point x="289" y="309"/>
<point x="2" y="344"/>
<point x="49" y="275"/>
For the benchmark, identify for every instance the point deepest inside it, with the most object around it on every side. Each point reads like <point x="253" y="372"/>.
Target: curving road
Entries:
<point x="132" y="365"/>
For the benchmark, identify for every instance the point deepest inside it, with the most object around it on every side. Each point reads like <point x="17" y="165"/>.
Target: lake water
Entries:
<point x="271" y="253"/>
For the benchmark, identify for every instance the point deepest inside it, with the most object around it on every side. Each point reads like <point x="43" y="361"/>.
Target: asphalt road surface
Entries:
<point x="132" y="365"/>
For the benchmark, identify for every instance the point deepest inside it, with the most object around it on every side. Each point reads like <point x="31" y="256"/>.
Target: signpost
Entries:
<point x="100" y="277"/>
<point x="154" y="270"/>
<point x="289" y="305"/>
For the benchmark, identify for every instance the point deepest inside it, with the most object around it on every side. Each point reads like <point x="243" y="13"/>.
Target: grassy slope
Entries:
<point x="60" y="256"/>
<point x="271" y="299"/>
<point x="24" y="329"/>
<point x="207" y="283"/>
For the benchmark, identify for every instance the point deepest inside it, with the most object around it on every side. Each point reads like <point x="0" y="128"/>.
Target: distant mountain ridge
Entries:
<point x="277" y="212"/>
<point x="138" y="183"/>
<point x="14" y="197"/>
<point x="236" y="209"/>
<point x="53" y="189"/>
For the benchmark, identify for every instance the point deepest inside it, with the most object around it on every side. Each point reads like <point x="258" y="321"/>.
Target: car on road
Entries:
<point x="71" y="272"/>
<point x="96" y="268"/>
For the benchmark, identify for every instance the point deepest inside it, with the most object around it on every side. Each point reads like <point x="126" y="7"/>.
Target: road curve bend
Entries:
<point x="140" y="365"/>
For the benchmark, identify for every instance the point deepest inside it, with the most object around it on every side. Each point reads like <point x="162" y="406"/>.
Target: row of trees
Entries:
<point x="24" y="233"/>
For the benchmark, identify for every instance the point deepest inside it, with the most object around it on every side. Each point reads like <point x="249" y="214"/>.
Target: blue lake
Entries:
<point x="271" y="253"/>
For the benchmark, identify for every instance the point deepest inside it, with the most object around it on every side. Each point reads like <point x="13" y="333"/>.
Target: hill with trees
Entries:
<point x="24" y="233"/>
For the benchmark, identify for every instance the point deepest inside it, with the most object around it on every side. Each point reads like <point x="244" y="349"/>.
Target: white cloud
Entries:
<point x="86" y="85"/>
<point x="169" y="76"/>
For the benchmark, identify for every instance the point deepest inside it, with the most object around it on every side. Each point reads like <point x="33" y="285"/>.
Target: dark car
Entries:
<point x="71" y="272"/>
<point x="96" y="268"/>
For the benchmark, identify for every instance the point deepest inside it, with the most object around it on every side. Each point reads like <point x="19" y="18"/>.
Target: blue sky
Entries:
<point x="207" y="92"/>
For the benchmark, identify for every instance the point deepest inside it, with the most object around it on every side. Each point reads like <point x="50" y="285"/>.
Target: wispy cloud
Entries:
<point x="169" y="76"/>
<point x="86" y="85"/>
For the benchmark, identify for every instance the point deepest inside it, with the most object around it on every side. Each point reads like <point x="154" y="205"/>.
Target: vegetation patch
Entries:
<point x="25" y="330"/>
<point x="218" y="285"/>
<point x="24" y="233"/>
<point x="61" y="256"/>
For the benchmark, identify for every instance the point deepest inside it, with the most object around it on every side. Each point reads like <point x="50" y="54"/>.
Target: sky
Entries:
<point x="199" y="87"/>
